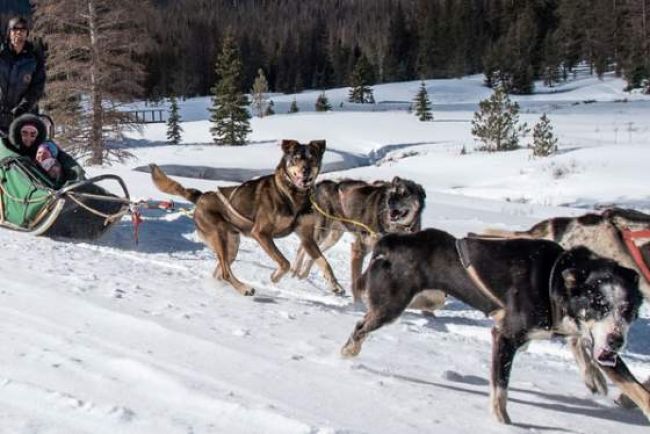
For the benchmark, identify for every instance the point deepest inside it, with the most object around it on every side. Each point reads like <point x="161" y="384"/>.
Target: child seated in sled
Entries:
<point x="46" y="157"/>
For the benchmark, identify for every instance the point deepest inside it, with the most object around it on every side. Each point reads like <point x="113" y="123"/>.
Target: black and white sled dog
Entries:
<point x="532" y="288"/>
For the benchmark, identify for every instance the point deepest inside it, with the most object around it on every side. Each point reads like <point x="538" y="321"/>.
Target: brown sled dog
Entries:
<point x="269" y="207"/>
<point x="368" y="210"/>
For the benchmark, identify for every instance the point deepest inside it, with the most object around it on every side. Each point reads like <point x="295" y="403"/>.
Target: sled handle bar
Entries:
<point x="93" y="180"/>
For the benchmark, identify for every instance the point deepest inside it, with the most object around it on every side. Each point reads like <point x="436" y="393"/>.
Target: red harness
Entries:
<point x="629" y="237"/>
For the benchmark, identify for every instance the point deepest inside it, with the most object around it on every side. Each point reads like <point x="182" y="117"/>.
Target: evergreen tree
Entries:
<point x="229" y="116"/>
<point x="322" y="103"/>
<point x="260" y="88"/>
<point x="636" y="57"/>
<point x="293" y="108"/>
<point x="399" y="62"/>
<point x="174" y="128"/>
<point x="423" y="104"/>
<point x="551" y="72"/>
<point x="496" y="123"/>
<point x="544" y="141"/>
<point x="269" y="109"/>
<point x="360" y="80"/>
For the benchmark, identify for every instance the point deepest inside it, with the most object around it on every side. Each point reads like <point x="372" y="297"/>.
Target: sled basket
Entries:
<point x="29" y="202"/>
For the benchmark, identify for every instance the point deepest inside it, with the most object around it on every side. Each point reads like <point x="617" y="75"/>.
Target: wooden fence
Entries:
<point x="147" y="116"/>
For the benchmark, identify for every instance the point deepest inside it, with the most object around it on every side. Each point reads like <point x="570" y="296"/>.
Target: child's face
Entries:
<point x="43" y="153"/>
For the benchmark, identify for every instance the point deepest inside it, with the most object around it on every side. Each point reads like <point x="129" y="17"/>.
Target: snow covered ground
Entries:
<point x="114" y="337"/>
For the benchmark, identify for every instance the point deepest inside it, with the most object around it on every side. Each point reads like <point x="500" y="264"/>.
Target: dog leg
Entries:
<point x="370" y="322"/>
<point x="329" y="241"/>
<point x="630" y="386"/>
<point x="592" y="376"/>
<point x="503" y="353"/>
<point x="225" y="246"/>
<point x="266" y="241"/>
<point x="310" y="246"/>
<point x="358" y="252"/>
<point x="299" y="264"/>
<point x="625" y="402"/>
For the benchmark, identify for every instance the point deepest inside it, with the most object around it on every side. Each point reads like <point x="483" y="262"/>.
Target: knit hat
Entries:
<point x="49" y="147"/>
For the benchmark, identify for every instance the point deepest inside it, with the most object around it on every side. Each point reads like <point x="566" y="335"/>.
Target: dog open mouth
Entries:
<point x="301" y="182"/>
<point x="606" y="357"/>
<point x="398" y="214"/>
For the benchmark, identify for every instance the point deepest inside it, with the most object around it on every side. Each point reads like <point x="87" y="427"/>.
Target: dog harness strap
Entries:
<point x="341" y="219"/>
<point x="463" y="254"/>
<point x="629" y="237"/>
<point x="231" y="209"/>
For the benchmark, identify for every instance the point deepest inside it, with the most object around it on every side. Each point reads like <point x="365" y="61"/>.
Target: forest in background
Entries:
<point x="315" y="44"/>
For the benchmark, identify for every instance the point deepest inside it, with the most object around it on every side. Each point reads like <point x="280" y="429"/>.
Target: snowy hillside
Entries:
<point x="114" y="337"/>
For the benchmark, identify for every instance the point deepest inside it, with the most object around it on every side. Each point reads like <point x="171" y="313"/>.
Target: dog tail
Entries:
<point x="169" y="186"/>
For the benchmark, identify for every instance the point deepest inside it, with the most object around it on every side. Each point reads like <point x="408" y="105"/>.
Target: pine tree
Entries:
<point x="269" y="109"/>
<point x="496" y="123"/>
<point x="322" y="103"/>
<point x="423" y="104"/>
<point x="260" y="88"/>
<point x="95" y="51"/>
<point x="544" y="141"/>
<point x="230" y="116"/>
<point x="552" y="61"/>
<point x="174" y="128"/>
<point x="293" y="108"/>
<point x="360" y="80"/>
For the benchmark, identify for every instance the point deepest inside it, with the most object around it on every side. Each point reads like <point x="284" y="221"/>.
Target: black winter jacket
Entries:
<point x="22" y="81"/>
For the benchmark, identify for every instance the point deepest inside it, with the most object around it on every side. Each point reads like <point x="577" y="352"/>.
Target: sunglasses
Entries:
<point x="19" y="29"/>
<point x="29" y="133"/>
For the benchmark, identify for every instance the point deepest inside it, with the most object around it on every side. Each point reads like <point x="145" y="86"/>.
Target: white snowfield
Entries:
<point x="114" y="337"/>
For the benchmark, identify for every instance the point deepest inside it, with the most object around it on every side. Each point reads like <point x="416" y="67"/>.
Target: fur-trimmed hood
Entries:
<point x="15" y="139"/>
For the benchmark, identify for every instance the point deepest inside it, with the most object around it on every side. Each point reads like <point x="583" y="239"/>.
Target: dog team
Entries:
<point x="583" y="278"/>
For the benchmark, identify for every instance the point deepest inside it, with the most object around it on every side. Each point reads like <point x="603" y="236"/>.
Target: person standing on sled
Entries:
<point x="22" y="73"/>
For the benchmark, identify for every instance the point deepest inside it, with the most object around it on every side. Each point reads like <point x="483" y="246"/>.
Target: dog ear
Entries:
<point x="396" y="180"/>
<point x="318" y="146"/>
<point x="421" y="192"/>
<point x="288" y="146"/>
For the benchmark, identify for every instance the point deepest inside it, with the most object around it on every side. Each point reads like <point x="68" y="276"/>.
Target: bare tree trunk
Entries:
<point x="96" y="140"/>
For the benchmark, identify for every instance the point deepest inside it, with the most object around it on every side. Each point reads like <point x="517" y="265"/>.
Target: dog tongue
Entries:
<point x="606" y="358"/>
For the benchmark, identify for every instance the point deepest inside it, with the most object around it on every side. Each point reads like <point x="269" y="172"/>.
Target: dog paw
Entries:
<point x="249" y="291"/>
<point x="624" y="401"/>
<point x="337" y="288"/>
<point x="350" y="350"/>
<point x="596" y="383"/>
<point x="278" y="274"/>
<point x="300" y="274"/>
<point x="503" y="418"/>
